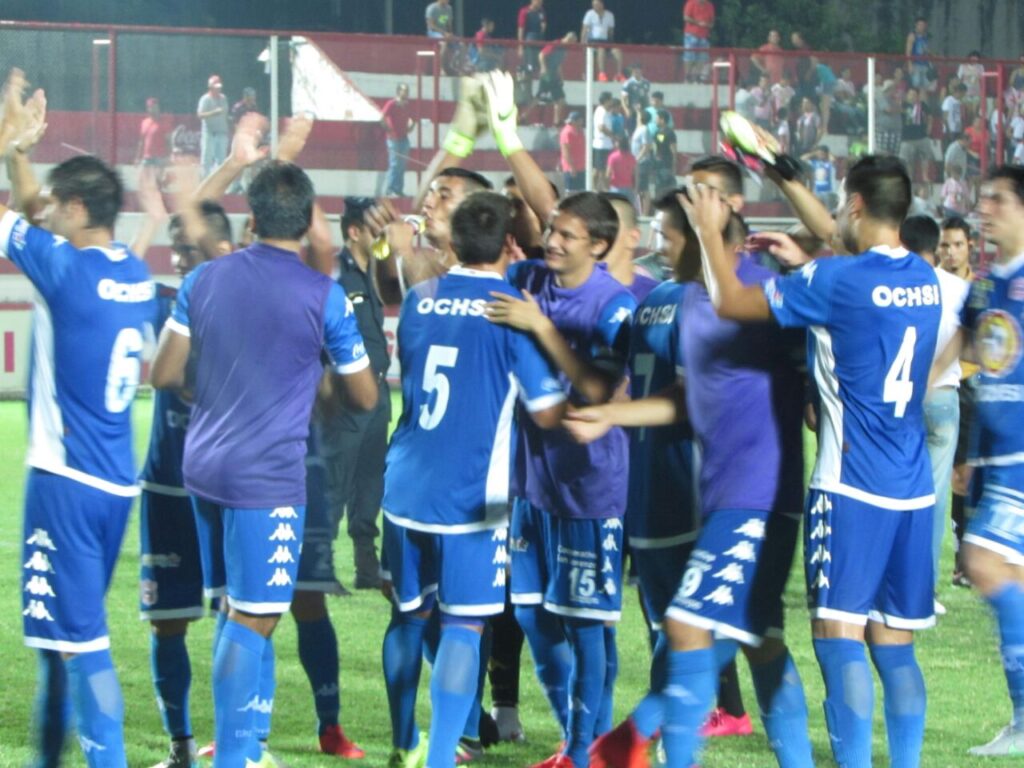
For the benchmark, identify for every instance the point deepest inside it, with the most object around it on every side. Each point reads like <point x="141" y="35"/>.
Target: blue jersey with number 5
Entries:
<point x="92" y="317"/>
<point x="451" y="455"/>
<point x="873" y="322"/>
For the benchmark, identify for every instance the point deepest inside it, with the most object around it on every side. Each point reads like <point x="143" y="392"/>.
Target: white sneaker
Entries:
<point x="507" y="720"/>
<point x="1009" y="741"/>
<point x="939" y="608"/>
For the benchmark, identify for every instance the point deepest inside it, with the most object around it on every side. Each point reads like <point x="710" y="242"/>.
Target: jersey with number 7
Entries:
<point x="873" y="322"/>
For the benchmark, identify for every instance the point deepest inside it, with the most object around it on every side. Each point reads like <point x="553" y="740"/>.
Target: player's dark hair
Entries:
<point x="920" y="234"/>
<point x="473" y="180"/>
<point x="598" y="215"/>
<point x="605" y="97"/>
<point x="354" y="214"/>
<point x="89" y="179"/>
<point x="510" y="181"/>
<point x="884" y="186"/>
<point x="660" y="95"/>
<point x="480" y="226"/>
<point x="281" y="198"/>
<point x="957" y="222"/>
<point x="1013" y="174"/>
<point x="726" y="170"/>
<point x="668" y="204"/>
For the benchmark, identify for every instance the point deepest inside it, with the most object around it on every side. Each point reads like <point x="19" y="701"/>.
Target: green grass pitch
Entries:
<point x="967" y="701"/>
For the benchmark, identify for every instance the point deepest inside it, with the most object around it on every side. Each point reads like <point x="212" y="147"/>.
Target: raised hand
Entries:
<point x="294" y="138"/>
<point x="245" y="144"/>
<point x="501" y="110"/>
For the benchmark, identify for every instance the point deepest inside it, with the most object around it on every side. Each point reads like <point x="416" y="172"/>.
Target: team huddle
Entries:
<point x="558" y="411"/>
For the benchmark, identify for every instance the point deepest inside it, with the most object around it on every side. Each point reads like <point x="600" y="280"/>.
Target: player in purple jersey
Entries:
<point x="258" y="321"/>
<point x="875" y="320"/>
<point x="993" y="546"/>
<point x="743" y="394"/>
<point x="93" y="310"/>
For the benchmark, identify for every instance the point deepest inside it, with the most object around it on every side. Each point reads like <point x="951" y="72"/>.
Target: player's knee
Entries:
<point x="986" y="570"/>
<point x="309" y="606"/>
<point x="771" y="649"/>
<point x="261" y="624"/>
<point x="169" y="627"/>
<point x="686" y="637"/>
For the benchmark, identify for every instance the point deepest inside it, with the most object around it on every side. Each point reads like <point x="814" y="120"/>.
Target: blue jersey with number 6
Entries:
<point x="873" y="322"/>
<point x="451" y="456"/>
<point x="94" y="311"/>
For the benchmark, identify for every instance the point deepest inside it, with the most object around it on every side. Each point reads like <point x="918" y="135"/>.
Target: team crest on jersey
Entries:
<point x="980" y="290"/>
<point x="18" y="234"/>
<point x="998" y="341"/>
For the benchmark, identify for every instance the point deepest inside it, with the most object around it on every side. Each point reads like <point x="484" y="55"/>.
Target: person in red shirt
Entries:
<point x="151" y="154"/>
<point x="698" y="20"/>
<point x="532" y="25"/>
<point x="396" y="117"/>
<point x="768" y="60"/>
<point x="622" y="170"/>
<point x="573" y="145"/>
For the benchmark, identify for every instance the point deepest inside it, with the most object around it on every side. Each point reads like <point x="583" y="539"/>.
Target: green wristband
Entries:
<point x="457" y="144"/>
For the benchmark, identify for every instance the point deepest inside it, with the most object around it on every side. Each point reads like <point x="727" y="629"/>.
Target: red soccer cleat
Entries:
<point x="208" y="750"/>
<point x="334" y="742"/>
<point x="621" y="747"/>
<point x="721" y="723"/>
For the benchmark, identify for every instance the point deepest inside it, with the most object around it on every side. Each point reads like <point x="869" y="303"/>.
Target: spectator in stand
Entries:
<point x="1015" y="129"/>
<point x="957" y="153"/>
<point x="782" y="93"/>
<point x="761" y="102"/>
<point x="1017" y="76"/>
<point x="440" y="19"/>
<point x="485" y="57"/>
<point x="956" y="195"/>
<point x="657" y="104"/>
<point x="851" y="115"/>
<point x="622" y="170"/>
<point x="616" y="121"/>
<point x="573" y="146"/>
<point x="953" y="114"/>
<point x="698" y="21"/>
<point x="664" y="155"/>
<point x="1018" y="153"/>
<point x="603" y="141"/>
<point x="888" y="118"/>
<point x="809" y="130"/>
<point x="396" y="117"/>
<point x="801" y="64"/>
<point x="977" y="135"/>
<point x="782" y="132"/>
<point x="550" y="86"/>
<point x="532" y="25"/>
<point x="213" y="113"/>
<point x="154" y="144"/>
<point x="970" y="74"/>
<point x="767" y="59"/>
<point x="244" y="105"/>
<point x="636" y="94"/>
<point x="823" y="174"/>
<point x="900" y="83"/>
<point x="825" y="85"/>
<point x="916" y="49"/>
<point x="599" y="27"/>
<point x="642" y="146"/>
<point x="915" y="140"/>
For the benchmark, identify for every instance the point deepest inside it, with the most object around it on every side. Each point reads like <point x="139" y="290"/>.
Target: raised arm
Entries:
<point x="24" y="124"/>
<point x="245" y="150"/>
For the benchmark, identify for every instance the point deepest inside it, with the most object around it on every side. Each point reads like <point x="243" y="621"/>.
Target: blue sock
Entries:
<point x="849" y="700"/>
<point x="1008" y="605"/>
<point x="99" y="708"/>
<point x="265" y="710"/>
<point x="649" y="714"/>
<point x="218" y="627"/>
<point x="611" y="659"/>
<point x="472" y="729"/>
<point x="52" y="710"/>
<point x="402" y="654"/>
<point x="552" y="657"/>
<point x="318" y="652"/>
<point x="780" y="695"/>
<point x="586" y="684"/>
<point x="172" y="676"/>
<point x="905" y="702"/>
<point x="236" y="694"/>
<point x="725" y="653"/>
<point x="690" y="683"/>
<point x="453" y="685"/>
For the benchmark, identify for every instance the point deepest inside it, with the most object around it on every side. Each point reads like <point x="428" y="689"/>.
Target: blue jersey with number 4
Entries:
<point x="873" y="322"/>
<point x="451" y="456"/>
<point x="94" y="313"/>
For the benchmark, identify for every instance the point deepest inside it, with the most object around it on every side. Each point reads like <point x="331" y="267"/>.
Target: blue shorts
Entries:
<point x="465" y="570"/>
<point x="722" y="576"/>
<point x="72" y="538"/>
<point x="316" y="563"/>
<point x="998" y="522"/>
<point x="660" y="571"/>
<point x="573" y="567"/>
<point x="252" y="555"/>
<point x="862" y="561"/>
<point x="692" y="44"/>
<point x="170" y="572"/>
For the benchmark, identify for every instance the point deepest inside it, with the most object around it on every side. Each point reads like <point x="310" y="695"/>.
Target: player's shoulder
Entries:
<point x="529" y="272"/>
<point x="665" y="292"/>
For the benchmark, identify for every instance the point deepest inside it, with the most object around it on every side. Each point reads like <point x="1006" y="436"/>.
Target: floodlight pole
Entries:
<point x="588" y="118"/>
<point x="275" y="107"/>
<point x="871" y="105"/>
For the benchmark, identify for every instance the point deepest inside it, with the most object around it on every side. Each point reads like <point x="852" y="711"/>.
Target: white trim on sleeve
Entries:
<point x="6" y="227"/>
<point x="356" y="365"/>
<point x="178" y="328"/>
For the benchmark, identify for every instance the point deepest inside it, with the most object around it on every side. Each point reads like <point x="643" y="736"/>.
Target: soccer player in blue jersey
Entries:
<point x="445" y="531"/>
<point x="993" y="545"/>
<point x="94" y="309"/>
<point x="566" y="532"/>
<point x="874" y="320"/>
<point x="257" y="321"/>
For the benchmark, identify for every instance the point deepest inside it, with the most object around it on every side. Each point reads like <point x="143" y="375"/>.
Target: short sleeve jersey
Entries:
<point x="873" y="321"/>
<point x="599" y="25"/>
<point x="663" y="507"/>
<point x="440" y="15"/>
<point x="214" y="124"/>
<point x="993" y="315"/>
<point x="258" y="320"/>
<point x="554" y="472"/>
<point x="450" y="460"/>
<point x="701" y="11"/>
<point x="93" y="313"/>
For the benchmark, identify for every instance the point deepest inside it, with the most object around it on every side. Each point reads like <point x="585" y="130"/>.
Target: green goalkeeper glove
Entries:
<point x="469" y="118"/>
<point x="499" y="88"/>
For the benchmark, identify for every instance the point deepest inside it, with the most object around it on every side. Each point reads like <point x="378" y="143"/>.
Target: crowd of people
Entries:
<point x="585" y="402"/>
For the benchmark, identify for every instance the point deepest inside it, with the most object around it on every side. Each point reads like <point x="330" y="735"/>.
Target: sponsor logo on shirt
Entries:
<point x="906" y="296"/>
<point x="1016" y="289"/>
<point x="1000" y="393"/>
<point x="998" y="342"/>
<point x="808" y="270"/>
<point x="452" y="307"/>
<point x="656" y="315"/>
<point x="111" y="290"/>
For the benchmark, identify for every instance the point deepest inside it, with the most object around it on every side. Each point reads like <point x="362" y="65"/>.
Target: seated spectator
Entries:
<point x="622" y="170"/>
<point x="956" y="195"/>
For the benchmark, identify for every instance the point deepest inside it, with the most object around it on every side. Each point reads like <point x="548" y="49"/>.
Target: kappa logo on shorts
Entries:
<point x="752" y="529"/>
<point x="36" y="609"/>
<point x="607" y="567"/>
<point x="822" y="505"/>
<point x="40" y="587"/>
<point x="500" y="556"/>
<point x="721" y="595"/>
<point x="821" y="581"/>
<point x="613" y="524"/>
<point x="325" y="690"/>
<point x="39" y="562"/>
<point x="88" y="745"/>
<point x="732" y="572"/>
<point x="280" y="578"/>
<point x="610" y="544"/>
<point x="287" y="513"/>
<point x="499" y="578"/>
<point x="821" y="555"/>
<point x="40" y="538"/>
<point x="609" y="587"/>
<point x="742" y="550"/>
<point x="283" y="532"/>
<point x="500" y="534"/>
<point x="281" y="555"/>
<point x="820" y="530"/>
